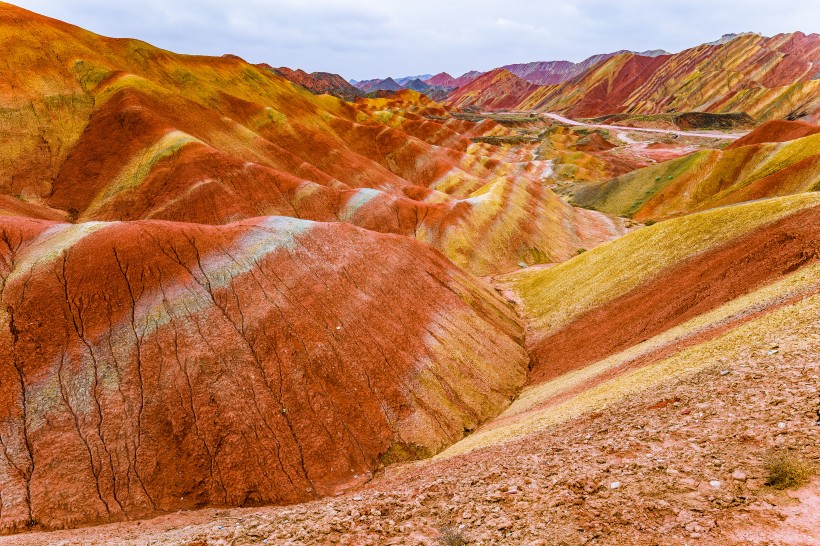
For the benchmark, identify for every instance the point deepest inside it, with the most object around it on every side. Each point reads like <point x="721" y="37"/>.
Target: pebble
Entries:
<point x="716" y="484"/>
<point x="781" y="425"/>
<point x="615" y="485"/>
<point x="739" y="475"/>
<point x="724" y="372"/>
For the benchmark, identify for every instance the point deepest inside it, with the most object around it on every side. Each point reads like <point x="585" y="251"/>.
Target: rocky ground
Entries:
<point x="682" y="464"/>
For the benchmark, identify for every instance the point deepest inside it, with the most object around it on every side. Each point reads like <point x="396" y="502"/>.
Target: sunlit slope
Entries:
<point x="694" y="292"/>
<point x="152" y="366"/>
<point x="761" y="166"/>
<point x="114" y="129"/>
<point x="768" y="78"/>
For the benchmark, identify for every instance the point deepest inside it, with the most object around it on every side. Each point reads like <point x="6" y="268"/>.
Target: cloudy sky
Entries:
<point x="365" y="39"/>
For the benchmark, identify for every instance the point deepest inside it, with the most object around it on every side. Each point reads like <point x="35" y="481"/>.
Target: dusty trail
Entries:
<point x="562" y="119"/>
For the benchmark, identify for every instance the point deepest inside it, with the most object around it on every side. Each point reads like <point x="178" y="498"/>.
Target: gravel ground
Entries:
<point x="680" y="464"/>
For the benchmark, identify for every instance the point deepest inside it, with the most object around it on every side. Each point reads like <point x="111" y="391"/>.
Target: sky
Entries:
<point x="363" y="39"/>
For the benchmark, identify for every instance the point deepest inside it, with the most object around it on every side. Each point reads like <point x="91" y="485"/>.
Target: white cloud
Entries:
<point x="365" y="39"/>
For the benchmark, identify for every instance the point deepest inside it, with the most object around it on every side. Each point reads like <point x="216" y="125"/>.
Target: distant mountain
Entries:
<point x="388" y="84"/>
<point x="554" y="72"/>
<point x="442" y="79"/>
<point x="404" y="80"/>
<point x="415" y="85"/>
<point x="467" y="77"/>
<point x="767" y="78"/>
<point x="318" y="82"/>
<point x="498" y="89"/>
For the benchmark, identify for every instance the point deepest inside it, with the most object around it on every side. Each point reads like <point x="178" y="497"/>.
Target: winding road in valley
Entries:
<point x="562" y="119"/>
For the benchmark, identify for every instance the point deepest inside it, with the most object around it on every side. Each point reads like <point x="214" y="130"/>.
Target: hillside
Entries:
<point x="319" y="82"/>
<point x="765" y="163"/>
<point x="251" y="305"/>
<point x="767" y="78"/>
<point x="498" y="89"/>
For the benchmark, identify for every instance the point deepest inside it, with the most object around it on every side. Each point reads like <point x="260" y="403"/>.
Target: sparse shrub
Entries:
<point x="649" y="223"/>
<point x="581" y="251"/>
<point x="451" y="536"/>
<point x="787" y="470"/>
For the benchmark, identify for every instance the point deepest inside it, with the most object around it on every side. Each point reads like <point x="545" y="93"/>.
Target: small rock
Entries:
<point x="724" y="372"/>
<point x="781" y="424"/>
<point x="357" y="498"/>
<point x="739" y="475"/>
<point x="615" y="485"/>
<point x="716" y="483"/>
<point x="685" y="411"/>
<point x="773" y="351"/>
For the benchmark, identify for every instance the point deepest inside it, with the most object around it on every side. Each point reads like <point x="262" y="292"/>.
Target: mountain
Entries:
<point x="319" y="82"/>
<point x="388" y="84"/>
<point x="404" y="80"/>
<point x="466" y="78"/>
<point x="498" y="89"/>
<point x="779" y="158"/>
<point x="221" y="286"/>
<point x="442" y="79"/>
<point x="767" y="78"/>
<point x="416" y="85"/>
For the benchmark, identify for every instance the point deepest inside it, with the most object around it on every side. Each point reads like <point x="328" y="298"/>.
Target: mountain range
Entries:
<point x="274" y="306"/>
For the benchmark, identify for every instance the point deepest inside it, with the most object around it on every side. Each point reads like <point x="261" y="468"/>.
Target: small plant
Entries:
<point x="451" y="536"/>
<point x="787" y="470"/>
<point x="581" y="251"/>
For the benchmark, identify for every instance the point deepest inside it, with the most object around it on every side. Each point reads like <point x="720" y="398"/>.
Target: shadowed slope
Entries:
<point x="151" y="366"/>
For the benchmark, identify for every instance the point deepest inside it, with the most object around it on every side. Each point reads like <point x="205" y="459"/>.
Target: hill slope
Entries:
<point x="768" y="78"/>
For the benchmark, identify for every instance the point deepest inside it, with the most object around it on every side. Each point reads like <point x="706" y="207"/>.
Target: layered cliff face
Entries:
<point x="152" y="366"/>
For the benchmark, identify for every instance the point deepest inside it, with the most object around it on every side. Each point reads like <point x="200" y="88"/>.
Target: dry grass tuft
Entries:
<point x="786" y="470"/>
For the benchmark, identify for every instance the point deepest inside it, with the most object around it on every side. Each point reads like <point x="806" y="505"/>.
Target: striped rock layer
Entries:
<point x="110" y="129"/>
<point x="154" y="366"/>
<point x="767" y="78"/>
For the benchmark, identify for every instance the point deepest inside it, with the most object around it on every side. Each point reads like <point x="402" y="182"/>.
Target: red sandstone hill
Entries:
<point x="152" y="366"/>
<point x="767" y="78"/>
<point x="776" y="131"/>
<point x="127" y="132"/>
<point x="495" y="90"/>
<point x="442" y="79"/>
<point x="319" y="82"/>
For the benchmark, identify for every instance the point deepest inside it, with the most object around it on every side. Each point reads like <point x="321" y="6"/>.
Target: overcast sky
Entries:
<point x="365" y="39"/>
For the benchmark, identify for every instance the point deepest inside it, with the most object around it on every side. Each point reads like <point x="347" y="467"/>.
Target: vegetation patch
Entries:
<point x="786" y="469"/>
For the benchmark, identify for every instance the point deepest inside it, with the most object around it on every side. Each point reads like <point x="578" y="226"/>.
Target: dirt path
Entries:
<point x="568" y="121"/>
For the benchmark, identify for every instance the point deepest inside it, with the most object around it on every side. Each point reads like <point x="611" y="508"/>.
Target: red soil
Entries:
<point x="777" y="131"/>
<point x="151" y="366"/>
<point x="678" y="294"/>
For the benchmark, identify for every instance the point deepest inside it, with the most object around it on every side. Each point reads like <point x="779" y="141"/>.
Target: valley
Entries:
<point x="551" y="303"/>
